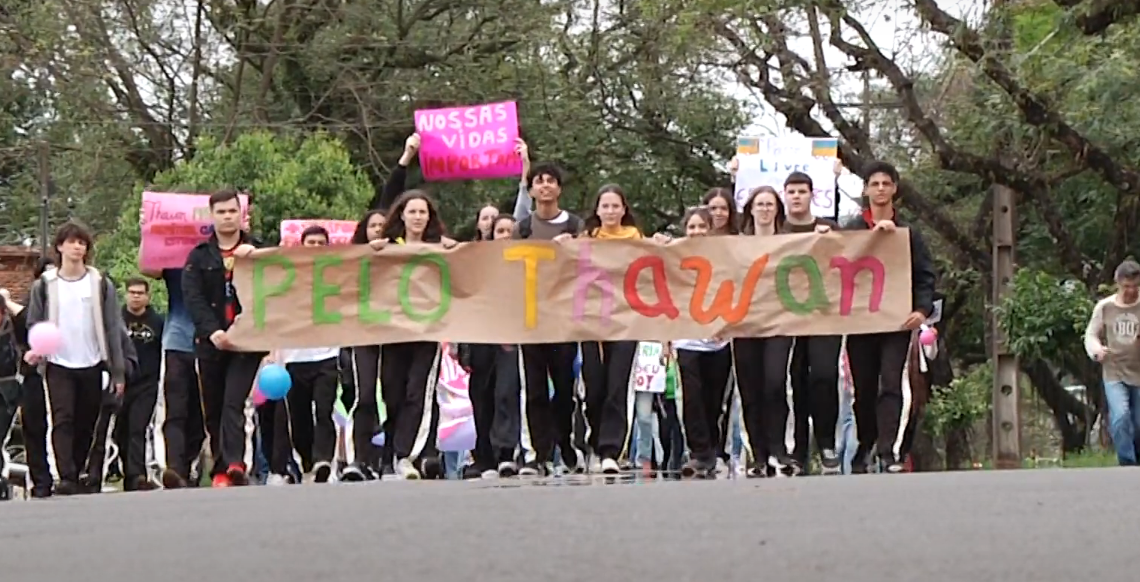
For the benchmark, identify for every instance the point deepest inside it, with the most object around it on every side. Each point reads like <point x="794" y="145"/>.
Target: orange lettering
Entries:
<point x="722" y="303"/>
<point x="664" y="305"/>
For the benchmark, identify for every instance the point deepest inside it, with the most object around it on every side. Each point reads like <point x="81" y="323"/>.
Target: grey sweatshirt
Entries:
<point x="109" y="326"/>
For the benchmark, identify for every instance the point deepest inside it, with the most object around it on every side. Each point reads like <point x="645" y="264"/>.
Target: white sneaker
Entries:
<point x="595" y="465"/>
<point x="610" y="467"/>
<point x="407" y="470"/>
<point x="489" y="474"/>
<point x="276" y="480"/>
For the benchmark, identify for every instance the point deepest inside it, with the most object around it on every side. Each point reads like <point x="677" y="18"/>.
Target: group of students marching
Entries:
<point x="526" y="405"/>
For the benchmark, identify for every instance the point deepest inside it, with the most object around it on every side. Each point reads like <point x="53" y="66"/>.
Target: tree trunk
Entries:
<point x="1070" y="414"/>
<point x="958" y="453"/>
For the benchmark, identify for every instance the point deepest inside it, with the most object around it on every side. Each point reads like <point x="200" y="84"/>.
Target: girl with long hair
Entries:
<point x="607" y="367"/>
<point x="705" y="368"/>
<point x="722" y="207"/>
<point x="363" y="414"/>
<point x="762" y="388"/>
<point x="409" y="370"/>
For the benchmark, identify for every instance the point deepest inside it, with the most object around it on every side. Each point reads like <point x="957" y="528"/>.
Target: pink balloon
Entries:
<point x="258" y="397"/>
<point x="457" y="436"/>
<point x="44" y="338"/>
<point x="928" y="336"/>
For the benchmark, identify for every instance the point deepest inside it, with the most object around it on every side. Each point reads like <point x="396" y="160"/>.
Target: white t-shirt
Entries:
<point x="297" y="356"/>
<point x="80" y="346"/>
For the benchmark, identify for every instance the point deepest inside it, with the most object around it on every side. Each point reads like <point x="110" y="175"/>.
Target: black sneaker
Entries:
<point x="354" y="473"/>
<point x="41" y="492"/>
<point x="322" y="472"/>
<point x="472" y="471"/>
<point x="5" y="489"/>
<point x="757" y="471"/>
<point x="892" y="465"/>
<point x="831" y="462"/>
<point x="788" y="466"/>
<point x="533" y="469"/>
<point x="697" y="468"/>
<point x="430" y="468"/>
<point x="172" y="480"/>
<point x="66" y="488"/>
<point x="508" y="469"/>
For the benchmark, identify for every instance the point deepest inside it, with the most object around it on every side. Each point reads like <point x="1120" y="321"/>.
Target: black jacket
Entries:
<point x="922" y="276"/>
<point x="204" y="290"/>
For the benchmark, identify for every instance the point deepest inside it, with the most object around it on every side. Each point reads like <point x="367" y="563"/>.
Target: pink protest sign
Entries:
<point x="172" y="224"/>
<point x="469" y="143"/>
<point x="340" y="231"/>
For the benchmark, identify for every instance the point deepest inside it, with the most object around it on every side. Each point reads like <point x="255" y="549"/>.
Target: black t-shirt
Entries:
<point x="145" y="330"/>
<point x="790" y="228"/>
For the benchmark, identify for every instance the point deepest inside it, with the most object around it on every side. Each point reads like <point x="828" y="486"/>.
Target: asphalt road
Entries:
<point x="1032" y="526"/>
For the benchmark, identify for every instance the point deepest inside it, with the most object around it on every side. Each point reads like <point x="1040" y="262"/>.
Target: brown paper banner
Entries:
<point x="511" y="292"/>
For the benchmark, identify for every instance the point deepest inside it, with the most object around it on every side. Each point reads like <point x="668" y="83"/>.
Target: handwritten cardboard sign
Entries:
<point x="648" y="368"/>
<point x="340" y="231"/>
<point x="767" y="161"/>
<point x="469" y="143"/>
<point x="509" y="292"/>
<point x="172" y="225"/>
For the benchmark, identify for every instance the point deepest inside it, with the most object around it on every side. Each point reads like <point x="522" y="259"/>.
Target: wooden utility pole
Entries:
<point x="1006" y="395"/>
<point x="45" y="193"/>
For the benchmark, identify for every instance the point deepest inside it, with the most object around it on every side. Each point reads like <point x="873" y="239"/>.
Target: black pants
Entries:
<point x="877" y="361"/>
<point x="34" y="427"/>
<point x="549" y="422"/>
<point x="507" y="423"/>
<point x="276" y="440"/>
<point x="309" y="407"/>
<point x="76" y="396"/>
<point x="816" y="365"/>
<point x="607" y="370"/>
<point x="672" y="435"/>
<point x="11" y="395"/>
<point x="408" y="375"/>
<point x="131" y="422"/>
<point x="227" y="380"/>
<point x="182" y="425"/>
<point x="364" y="413"/>
<point x="748" y="359"/>
<point x="481" y="389"/>
<point x="704" y="406"/>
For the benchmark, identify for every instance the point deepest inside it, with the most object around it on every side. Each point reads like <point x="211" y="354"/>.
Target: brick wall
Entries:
<point x="16" y="267"/>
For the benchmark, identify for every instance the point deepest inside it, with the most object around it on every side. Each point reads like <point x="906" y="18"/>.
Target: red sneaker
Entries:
<point x="222" y="480"/>
<point x="237" y="475"/>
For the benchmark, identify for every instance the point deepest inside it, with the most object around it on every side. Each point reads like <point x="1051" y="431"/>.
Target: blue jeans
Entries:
<point x="260" y="462"/>
<point x="1123" y="419"/>
<point x="647" y="443"/>
<point x="453" y="464"/>
<point x="846" y="442"/>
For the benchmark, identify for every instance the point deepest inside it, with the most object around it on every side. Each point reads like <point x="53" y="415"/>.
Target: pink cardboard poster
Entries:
<point x="172" y="225"/>
<point x="469" y="143"/>
<point x="340" y="231"/>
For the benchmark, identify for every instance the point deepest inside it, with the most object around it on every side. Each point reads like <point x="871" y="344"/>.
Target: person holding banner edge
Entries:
<point x="548" y="422"/>
<point x="409" y="371"/>
<point x="363" y="412"/>
<point x="763" y="424"/>
<point x="226" y="377"/>
<point x="607" y="367"/>
<point x="878" y="360"/>
<point x="812" y="361"/>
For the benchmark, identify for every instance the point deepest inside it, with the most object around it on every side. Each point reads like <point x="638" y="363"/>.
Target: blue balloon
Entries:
<point x="378" y="439"/>
<point x="274" y="382"/>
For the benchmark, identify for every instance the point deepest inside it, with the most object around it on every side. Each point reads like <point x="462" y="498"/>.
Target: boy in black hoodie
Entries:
<point x="12" y="329"/>
<point x="878" y="359"/>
